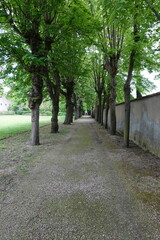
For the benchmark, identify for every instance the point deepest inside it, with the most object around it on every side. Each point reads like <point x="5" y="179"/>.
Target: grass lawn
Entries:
<point x="12" y="124"/>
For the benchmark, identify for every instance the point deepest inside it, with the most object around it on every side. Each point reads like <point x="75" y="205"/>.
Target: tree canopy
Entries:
<point x="89" y="51"/>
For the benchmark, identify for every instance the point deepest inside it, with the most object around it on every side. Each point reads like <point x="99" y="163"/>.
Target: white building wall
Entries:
<point x="4" y="104"/>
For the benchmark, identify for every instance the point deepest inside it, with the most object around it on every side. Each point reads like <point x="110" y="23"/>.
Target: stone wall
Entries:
<point x="145" y="122"/>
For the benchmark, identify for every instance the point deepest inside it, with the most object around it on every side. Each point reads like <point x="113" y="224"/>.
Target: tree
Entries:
<point x="138" y="54"/>
<point x="98" y="75"/>
<point x="128" y="81"/>
<point x="84" y="89"/>
<point x="17" y="16"/>
<point x="16" y="78"/>
<point x="110" y="41"/>
<point x="71" y="57"/>
<point x="65" y="55"/>
<point x="46" y="44"/>
<point x="30" y="22"/>
<point x="153" y="9"/>
<point x="53" y="86"/>
<point x="113" y="52"/>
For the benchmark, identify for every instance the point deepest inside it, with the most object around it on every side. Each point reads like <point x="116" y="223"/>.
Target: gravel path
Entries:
<point x="85" y="187"/>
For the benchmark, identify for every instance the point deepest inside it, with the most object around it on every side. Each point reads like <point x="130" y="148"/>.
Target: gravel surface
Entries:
<point x="81" y="184"/>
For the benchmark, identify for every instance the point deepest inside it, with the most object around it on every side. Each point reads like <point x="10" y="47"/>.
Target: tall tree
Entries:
<point x="139" y="48"/>
<point x="127" y="88"/>
<point x="99" y="82"/>
<point x="27" y="19"/>
<point x="113" y="49"/>
<point x="110" y="40"/>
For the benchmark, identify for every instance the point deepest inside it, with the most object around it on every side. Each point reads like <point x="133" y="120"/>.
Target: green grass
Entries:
<point x="13" y="124"/>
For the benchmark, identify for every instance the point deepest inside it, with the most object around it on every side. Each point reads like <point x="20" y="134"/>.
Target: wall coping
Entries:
<point x="140" y="99"/>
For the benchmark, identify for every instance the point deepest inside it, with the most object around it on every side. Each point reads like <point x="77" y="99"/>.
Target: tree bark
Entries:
<point x="35" y="125"/>
<point x="127" y="115"/>
<point x="116" y="38"/>
<point x="103" y="106"/>
<point x="69" y="96"/>
<point x="35" y="100"/>
<point x="113" y="105"/>
<point x="107" y="109"/>
<point x="35" y="42"/>
<point x="80" y="108"/>
<point x="76" y="107"/>
<point x="55" y="103"/>
<point x="54" y="119"/>
<point x="92" y="112"/>
<point x="127" y="86"/>
<point x="99" y="107"/>
<point x="78" y="112"/>
<point x="34" y="103"/>
<point x="138" y="94"/>
<point x="53" y="87"/>
<point x="127" y="100"/>
<point x="69" y="110"/>
<point x="106" y="123"/>
<point x="97" y="112"/>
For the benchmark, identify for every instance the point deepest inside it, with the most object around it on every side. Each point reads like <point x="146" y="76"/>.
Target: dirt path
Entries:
<point x="82" y="185"/>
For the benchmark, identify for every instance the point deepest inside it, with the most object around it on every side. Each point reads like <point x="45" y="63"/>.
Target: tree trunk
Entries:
<point x="97" y="112"/>
<point x="77" y="112"/>
<point x="53" y="87"/>
<point x="69" y="110"/>
<point x="107" y="109"/>
<point x="92" y="112"/>
<point x="80" y="108"/>
<point x="35" y="100"/>
<point x="37" y="71"/>
<point x="127" y="115"/>
<point x="113" y="105"/>
<point x="69" y="96"/>
<point x="116" y="41"/>
<point x="35" y="125"/>
<point x="127" y="86"/>
<point x="127" y="100"/>
<point x="54" y="119"/>
<point x="76" y="107"/>
<point x="100" y="108"/>
<point x="106" y="123"/>
<point x="55" y="102"/>
<point x="138" y="94"/>
<point x="103" y="106"/>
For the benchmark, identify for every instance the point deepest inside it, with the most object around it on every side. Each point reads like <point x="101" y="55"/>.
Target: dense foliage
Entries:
<point x="87" y="53"/>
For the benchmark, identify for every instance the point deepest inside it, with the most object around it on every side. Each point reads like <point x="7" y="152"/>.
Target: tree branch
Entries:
<point x="153" y="9"/>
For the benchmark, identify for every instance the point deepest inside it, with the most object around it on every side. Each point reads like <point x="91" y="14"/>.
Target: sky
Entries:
<point x="151" y="77"/>
<point x="145" y="73"/>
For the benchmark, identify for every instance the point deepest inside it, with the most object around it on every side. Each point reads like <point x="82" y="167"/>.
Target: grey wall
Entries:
<point x="145" y="122"/>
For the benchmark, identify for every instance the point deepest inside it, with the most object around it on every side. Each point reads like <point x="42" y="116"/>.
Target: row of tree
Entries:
<point x="128" y="42"/>
<point x="87" y="51"/>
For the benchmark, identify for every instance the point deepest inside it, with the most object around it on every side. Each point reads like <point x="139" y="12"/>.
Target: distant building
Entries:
<point x="4" y="104"/>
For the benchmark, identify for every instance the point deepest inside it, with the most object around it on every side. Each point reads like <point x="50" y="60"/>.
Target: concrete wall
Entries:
<point x="145" y="122"/>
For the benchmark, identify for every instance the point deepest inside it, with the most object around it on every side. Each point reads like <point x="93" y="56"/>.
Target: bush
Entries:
<point x="61" y="114"/>
<point x="45" y="112"/>
<point x="19" y="110"/>
<point x="7" y="113"/>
